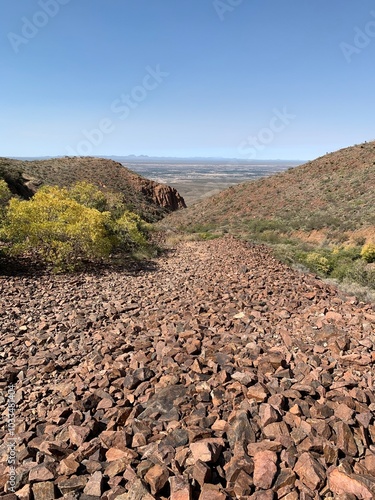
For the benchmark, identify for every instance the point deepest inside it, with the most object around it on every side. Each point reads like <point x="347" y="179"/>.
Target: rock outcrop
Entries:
<point x="163" y="195"/>
<point x="214" y="373"/>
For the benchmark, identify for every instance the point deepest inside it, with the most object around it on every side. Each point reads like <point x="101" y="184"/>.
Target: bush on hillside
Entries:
<point x="5" y="194"/>
<point x="88" y="195"/>
<point x="368" y="252"/>
<point x="56" y="229"/>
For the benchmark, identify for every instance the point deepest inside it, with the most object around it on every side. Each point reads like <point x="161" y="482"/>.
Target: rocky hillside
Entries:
<point x="144" y="196"/>
<point x="214" y="373"/>
<point x="331" y="198"/>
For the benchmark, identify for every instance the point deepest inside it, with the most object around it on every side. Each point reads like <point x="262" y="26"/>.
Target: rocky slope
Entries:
<point x="331" y="198"/>
<point x="144" y="196"/>
<point x="214" y="373"/>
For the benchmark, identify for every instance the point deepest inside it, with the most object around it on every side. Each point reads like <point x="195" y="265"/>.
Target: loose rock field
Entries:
<point x="214" y="373"/>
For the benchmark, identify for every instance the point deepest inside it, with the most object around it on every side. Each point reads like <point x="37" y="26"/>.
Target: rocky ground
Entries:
<point x="215" y="373"/>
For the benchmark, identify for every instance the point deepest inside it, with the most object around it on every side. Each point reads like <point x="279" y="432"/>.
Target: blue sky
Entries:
<point x="256" y="79"/>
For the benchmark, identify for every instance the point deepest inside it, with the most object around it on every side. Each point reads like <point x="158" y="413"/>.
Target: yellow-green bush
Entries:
<point x="368" y="252"/>
<point x="88" y="195"/>
<point x="56" y="228"/>
<point x="319" y="263"/>
<point x="131" y="230"/>
<point x="5" y="194"/>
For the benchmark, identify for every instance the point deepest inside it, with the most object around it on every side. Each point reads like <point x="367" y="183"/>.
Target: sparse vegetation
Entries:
<point x="320" y="215"/>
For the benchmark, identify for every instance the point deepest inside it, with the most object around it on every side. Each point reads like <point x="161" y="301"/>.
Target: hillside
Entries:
<point x="148" y="198"/>
<point x="214" y="373"/>
<point x="331" y="198"/>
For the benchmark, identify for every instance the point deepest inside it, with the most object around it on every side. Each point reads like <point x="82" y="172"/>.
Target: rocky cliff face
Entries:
<point x="163" y="195"/>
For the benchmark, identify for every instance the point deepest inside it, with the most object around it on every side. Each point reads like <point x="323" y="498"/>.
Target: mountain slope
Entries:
<point x="331" y="198"/>
<point x="150" y="199"/>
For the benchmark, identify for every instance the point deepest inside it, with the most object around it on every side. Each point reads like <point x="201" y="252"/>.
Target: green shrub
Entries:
<point x="5" y="194"/>
<point x="88" y="195"/>
<point x="57" y="229"/>
<point x="318" y="263"/>
<point x="130" y="231"/>
<point x="368" y="252"/>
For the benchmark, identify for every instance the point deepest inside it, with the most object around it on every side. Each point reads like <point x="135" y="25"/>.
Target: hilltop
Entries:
<point x="330" y="198"/>
<point x="148" y="198"/>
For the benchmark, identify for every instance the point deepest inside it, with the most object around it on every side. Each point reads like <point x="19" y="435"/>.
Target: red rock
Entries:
<point x="94" y="485"/>
<point x="212" y="492"/>
<point x="136" y="491"/>
<point x="68" y="466"/>
<point x="341" y="483"/>
<point x="201" y="472"/>
<point x="264" y="469"/>
<point x="257" y="392"/>
<point x="44" y="491"/>
<point x="207" y="450"/>
<point x="157" y="477"/>
<point x="180" y="488"/>
<point x="309" y="471"/>
<point x="267" y="414"/>
<point x="41" y="473"/>
<point x="77" y="434"/>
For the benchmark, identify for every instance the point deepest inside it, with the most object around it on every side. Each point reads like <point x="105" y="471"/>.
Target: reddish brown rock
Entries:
<point x="207" y="450"/>
<point x="342" y="483"/>
<point x="94" y="485"/>
<point x="310" y="472"/>
<point x="44" y="491"/>
<point x="157" y="477"/>
<point x="264" y="469"/>
<point x="180" y="488"/>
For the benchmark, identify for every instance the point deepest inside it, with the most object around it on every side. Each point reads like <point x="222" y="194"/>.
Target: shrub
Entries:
<point x="57" y="229"/>
<point x="88" y="195"/>
<point x="5" y="194"/>
<point x="368" y="252"/>
<point x="318" y="263"/>
<point x="130" y="231"/>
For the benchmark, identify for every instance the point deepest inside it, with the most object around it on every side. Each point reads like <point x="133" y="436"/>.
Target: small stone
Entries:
<point x="94" y="485"/>
<point x="264" y="469"/>
<point x="257" y="392"/>
<point x="207" y="450"/>
<point x="201" y="472"/>
<point x="40" y="473"/>
<point x="212" y="492"/>
<point x="157" y="477"/>
<point x="44" y="491"/>
<point x="342" y="483"/>
<point x="309" y="471"/>
<point x="74" y="483"/>
<point x="180" y="488"/>
<point x="77" y="434"/>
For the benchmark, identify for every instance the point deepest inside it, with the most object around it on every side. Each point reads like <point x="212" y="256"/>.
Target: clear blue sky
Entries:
<point x="186" y="77"/>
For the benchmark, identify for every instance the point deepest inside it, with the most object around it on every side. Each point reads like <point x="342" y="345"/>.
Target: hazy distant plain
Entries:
<point x="195" y="180"/>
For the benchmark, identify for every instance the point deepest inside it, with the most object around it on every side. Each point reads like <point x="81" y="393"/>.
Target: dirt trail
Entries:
<point x="217" y="372"/>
